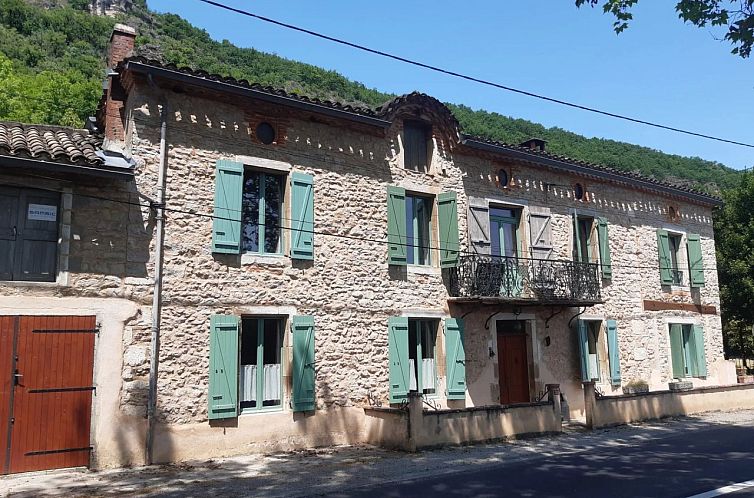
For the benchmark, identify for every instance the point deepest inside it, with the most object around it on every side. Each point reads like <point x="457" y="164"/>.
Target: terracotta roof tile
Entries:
<point x="49" y="143"/>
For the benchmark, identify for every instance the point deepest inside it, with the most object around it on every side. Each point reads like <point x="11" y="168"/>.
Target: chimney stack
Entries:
<point x="534" y="144"/>
<point x="121" y="46"/>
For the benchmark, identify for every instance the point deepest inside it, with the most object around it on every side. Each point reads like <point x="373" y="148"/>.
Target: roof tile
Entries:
<point x="49" y="143"/>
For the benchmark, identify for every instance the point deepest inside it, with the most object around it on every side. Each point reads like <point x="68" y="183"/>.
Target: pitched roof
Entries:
<point x="531" y="154"/>
<point x="50" y="143"/>
<point x="384" y="114"/>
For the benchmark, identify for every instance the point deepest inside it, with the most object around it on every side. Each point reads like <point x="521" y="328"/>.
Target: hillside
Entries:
<point x="52" y="66"/>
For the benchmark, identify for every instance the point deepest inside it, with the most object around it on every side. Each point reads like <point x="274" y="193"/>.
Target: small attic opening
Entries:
<point x="534" y="144"/>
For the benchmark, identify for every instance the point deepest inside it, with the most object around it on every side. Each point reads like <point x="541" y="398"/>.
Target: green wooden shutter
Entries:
<point x="698" y="351"/>
<point x="583" y="350"/>
<point x="613" y="351"/>
<point x="303" y="363"/>
<point x="226" y="224"/>
<point x="696" y="266"/>
<point x="223" y="366"/>
<point x="605" y="263"/>
<point x="398" y="354"/>
<point x="302" y="214"/>
<point x="396" y="225"/>
<point x="455" y="358"/>
<point x="448" y="223"/>
<point x="676" y="350"/>
<point x="663" y="251"/>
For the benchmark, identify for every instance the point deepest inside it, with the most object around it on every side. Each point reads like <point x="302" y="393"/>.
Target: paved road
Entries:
<point x="680" y="465"/>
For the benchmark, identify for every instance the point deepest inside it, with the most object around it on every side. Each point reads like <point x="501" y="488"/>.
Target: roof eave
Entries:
<point x="70" y="168"/>
<point x="222" y="86"/>
<point x="585" y="170"/>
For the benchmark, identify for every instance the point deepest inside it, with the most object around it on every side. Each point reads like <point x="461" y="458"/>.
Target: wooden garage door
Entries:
<point x="48" y="416"/>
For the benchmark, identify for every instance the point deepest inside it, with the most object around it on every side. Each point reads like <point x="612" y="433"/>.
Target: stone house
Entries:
<point x="320" y="258"/>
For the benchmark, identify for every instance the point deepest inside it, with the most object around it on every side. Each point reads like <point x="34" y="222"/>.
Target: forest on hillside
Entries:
<point x="52" y="63"/>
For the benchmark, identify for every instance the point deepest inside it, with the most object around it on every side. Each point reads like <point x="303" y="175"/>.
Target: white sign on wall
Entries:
<point x="42" y="212"/>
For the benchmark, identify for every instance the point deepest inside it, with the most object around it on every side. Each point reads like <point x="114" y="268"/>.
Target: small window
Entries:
<point x="262" y="207"/>
<point x="416" y="136"/>
<point x="673" y="213"/>
<point x="418" y="230"/>
<point x="422" y="335"/>
<point x="28" y="234"/>
<point x="260" y="381"/>
<point x="578" y="191"/>
<point x="583" y="246"/>
<point x="675" y="255"/>
<point x="265" y="133"/>
<point x="502" y="178"/>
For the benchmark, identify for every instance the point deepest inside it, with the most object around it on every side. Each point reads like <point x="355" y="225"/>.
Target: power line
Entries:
<point x="469" y="78"/>
<point x="325" y="234"/>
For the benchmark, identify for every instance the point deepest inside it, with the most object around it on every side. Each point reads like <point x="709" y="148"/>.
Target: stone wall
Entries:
<point x="349" y="288"/>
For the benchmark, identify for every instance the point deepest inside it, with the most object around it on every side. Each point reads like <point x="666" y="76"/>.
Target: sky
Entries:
<point x="660" y="69"/>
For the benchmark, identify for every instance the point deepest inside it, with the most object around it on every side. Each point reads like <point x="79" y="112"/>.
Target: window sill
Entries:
<point x="26" y="283"/>
<point x="264" y="259"/>
<point x="422" y="270"/>
<point x="256" y="411"/>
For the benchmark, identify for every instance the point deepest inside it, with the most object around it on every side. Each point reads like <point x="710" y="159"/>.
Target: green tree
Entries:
<point x="737" y="15"/>
<point x="734" y="235"/>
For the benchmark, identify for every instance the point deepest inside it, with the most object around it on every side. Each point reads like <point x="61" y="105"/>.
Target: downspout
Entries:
<point x="159" y="207"/>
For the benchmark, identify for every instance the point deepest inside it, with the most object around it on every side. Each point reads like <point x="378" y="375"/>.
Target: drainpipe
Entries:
<point x="158" y="206"/>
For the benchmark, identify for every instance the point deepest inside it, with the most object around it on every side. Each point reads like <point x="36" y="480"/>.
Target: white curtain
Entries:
<point x="428" y="373"/>
<point x="272" y="382"/>
<point x="412" y="375"/>
<point x="248" y="382"/>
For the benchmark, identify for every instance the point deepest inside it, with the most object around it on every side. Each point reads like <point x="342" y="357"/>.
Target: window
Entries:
<point x="675" y="255"/>
<point x="416" y="137"/>
<point x="262" y="206"/>
<point x="582" y="247"/>
<point x="578" y="191"/>
<point x="600" y="356"/>
<point x="265" y="133"/>
<point x="502" y="178"/>
<point x="28" y="234"/>
<point x="597" y="357"/>
<point x="422" y="335"/>
<point x="260" y="379"/>
<point x="687" y="350"/>
<point x="504" y="231"/>
<point x="418" y="230"/>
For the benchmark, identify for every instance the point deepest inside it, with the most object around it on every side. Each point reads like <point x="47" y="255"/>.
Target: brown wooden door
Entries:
<point x="52" y="395"/>
<point x="513" y="368"/>
<point x="7" y="332"/>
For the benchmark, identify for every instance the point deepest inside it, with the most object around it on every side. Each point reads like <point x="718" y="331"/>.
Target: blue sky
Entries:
<point x="658" y="70"/>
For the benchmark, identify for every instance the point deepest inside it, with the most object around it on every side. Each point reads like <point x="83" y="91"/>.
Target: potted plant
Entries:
<point x="636" y="386"/>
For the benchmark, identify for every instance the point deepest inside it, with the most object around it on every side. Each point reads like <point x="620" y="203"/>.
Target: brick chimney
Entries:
<point x="534" y="144"/>
<point x="121" y="46"/>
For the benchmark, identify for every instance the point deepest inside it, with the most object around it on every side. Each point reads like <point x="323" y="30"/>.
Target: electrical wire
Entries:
<point x="469" y="78"/>
<point x="313" y="232"/>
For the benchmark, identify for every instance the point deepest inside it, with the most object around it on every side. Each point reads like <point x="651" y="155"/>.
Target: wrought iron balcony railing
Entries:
<point x="532" y="280"/>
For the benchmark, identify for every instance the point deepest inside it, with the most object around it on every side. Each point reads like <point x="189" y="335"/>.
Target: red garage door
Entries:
<point x="46" y="368"/>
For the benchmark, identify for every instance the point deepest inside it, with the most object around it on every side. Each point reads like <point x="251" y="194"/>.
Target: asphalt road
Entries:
<point x="681" y="465"/>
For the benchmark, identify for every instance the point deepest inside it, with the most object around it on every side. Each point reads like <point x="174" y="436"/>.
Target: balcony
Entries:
<point x="480" y="278"/>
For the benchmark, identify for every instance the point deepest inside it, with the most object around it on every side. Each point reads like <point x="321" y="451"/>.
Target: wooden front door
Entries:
<point x="46" y="382"/>
<point x="513" y="365"/>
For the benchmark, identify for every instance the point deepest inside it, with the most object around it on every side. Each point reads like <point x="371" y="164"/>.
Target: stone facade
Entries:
<point x="349" y="288"/>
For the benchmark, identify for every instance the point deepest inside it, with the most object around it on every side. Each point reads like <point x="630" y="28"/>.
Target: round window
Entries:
<point x="672" y="213"/>
<point x="578" y="190"/>
<point x="265" y="133"/>
<point x="502" y="178"/>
